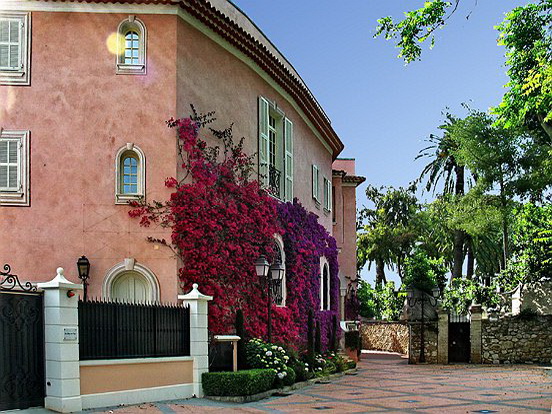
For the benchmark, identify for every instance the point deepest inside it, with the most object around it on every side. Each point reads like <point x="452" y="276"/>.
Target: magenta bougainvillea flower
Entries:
<point x="221" y="221"/>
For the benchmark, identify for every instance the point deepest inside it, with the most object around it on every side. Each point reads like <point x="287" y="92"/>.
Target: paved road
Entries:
<point x="387" y="384"/>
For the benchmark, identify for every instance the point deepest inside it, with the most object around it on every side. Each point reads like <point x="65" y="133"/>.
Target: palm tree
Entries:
<point x="444" y="167"/>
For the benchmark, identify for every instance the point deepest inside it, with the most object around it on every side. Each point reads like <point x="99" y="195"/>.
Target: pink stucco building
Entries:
<point x="345" y="183"/>
<point x="85" y="89"/>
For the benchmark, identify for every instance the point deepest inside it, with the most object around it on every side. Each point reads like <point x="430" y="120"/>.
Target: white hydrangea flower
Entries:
<point x="285" y="373"/>
<point x="286" y="357"/>
<point x="268" y="353"/>
<point x="280" y="375"/>
<point x="280" y="348"/>
<point x="264" y="349"/>
<point x="306" y="369"/>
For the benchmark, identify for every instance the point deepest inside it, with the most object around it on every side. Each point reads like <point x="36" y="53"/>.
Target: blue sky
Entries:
<point x="381" y="109"/>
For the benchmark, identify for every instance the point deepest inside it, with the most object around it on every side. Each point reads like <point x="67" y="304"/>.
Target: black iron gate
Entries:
<point x="459" y="338"/>
<point x="21" y="344"/>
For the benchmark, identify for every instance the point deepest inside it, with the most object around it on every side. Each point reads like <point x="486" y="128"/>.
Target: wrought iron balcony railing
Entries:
<point x="274" y="176"/>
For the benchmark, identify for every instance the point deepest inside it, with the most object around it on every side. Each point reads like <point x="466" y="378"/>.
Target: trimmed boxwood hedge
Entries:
<point x="231" y="384"/>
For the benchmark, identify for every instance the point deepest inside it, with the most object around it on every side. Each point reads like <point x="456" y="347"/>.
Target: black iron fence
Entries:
<point x="127" y="330"/>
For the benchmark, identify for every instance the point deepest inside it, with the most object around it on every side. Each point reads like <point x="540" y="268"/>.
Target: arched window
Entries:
<point x="280" y="289"/>
<point x="130" y="172"/>
<point x="131" y="282"/>
<point x="325" y="288"/>
<point x="131" y="53"/>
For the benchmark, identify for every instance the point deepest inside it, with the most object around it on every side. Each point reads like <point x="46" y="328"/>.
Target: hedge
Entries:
<point x="246" y="382"/>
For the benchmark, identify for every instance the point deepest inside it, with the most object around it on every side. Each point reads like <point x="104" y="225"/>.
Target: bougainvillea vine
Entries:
<point x="222" y="221"/>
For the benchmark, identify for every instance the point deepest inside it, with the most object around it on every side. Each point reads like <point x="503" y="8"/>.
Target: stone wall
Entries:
<point x="385" y="336"/>
<point x="517" y="340"/>
<point x="430" y="341"/>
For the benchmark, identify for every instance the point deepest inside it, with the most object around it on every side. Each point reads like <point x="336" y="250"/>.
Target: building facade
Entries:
<point x="86" y="89"/>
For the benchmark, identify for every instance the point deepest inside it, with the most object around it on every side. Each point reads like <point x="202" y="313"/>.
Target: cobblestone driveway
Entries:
<point x="387" y="384"/>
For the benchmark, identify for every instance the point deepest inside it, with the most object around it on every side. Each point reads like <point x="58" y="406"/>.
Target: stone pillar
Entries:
<point x="62" y="344"/>
<point x="342" y="295"/>
<point x="199" y="349"/>
<point x="475" y="333"/>
<point x="443" y="337"/>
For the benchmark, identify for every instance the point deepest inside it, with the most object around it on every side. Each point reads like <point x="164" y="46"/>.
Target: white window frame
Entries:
<point x="120" y="196"/>
<point x="325" y="264"/>
<point x="22" y="74"/>
<point x="19" y="196"/>
<point x="280" y="241"/>
<point x="132" y="23"/>
<point x="327" y="195"/>
<point x="283" y="148"/>
<point x="315" y="183"/>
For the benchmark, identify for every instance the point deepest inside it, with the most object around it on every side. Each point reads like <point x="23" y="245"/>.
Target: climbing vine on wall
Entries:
<point x="222" y="221"/>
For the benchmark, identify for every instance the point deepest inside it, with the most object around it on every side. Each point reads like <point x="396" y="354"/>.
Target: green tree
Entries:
<point x="444" y="167"/>
<point x="527" y="36"/>
<point x="423" y="273"/>
<point x="380" y="302"/>
<point x="387" y="234"/>
<point x="526" y="32"/>
<point x="532" y="247"/>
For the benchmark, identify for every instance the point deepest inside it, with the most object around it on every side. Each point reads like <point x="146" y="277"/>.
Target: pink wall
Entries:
<point x="344" y="227"/>
<point x="212" y="78"/>
<point x="80" y="113"/>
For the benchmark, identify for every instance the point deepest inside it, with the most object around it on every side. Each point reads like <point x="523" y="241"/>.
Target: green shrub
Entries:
<point x="290" y="377"/>
<point x="264" y="355"/>
<point x="340" y="364"/>
<point x="247" y="382"/>
<point x="351" y="364"/>
<point x="302" y="372"/>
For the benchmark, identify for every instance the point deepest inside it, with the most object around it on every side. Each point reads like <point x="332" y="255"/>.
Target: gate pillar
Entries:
<point x="199" y="318"/>
<point x="443" y="336"/>
<point x="475" y="333"/>
<point x="62" y="344"/>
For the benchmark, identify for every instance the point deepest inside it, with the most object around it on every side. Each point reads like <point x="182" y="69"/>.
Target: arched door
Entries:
<point x="131" y="287"/>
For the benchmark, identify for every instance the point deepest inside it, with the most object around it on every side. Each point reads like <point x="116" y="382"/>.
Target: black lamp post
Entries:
<point x="413" y="301"/>
<point x="273" y="275"/>
<point x="83" y="266"/>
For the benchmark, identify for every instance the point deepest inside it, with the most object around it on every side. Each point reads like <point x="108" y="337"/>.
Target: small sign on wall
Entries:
<point x="70" y="334"/>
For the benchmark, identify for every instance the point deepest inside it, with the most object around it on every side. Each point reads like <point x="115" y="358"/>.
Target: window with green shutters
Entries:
<point x="14" y="48"/>
<point x="327" y="194"/>
<point x="315" y="184"/>
<point x="275" y="151"/>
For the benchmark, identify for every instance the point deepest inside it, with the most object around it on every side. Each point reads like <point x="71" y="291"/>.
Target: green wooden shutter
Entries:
<point x="315" y="193"/>
<point x="288" y="131"/>
<point x="263" y="142"/>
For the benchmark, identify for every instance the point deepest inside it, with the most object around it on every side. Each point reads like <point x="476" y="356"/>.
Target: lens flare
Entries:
<point x="115" y="43"/>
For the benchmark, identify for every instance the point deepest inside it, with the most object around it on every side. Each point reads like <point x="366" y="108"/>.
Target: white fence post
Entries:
<point x="61" y="344"/>
<point x="199" y="350"/>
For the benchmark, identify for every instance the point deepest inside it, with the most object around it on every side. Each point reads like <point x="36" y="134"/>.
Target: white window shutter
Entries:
<point x="288" y="143"/>
<point x="263" y="141"/>
<point x="10" y="165"/>
<point x="11" y="31"/>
